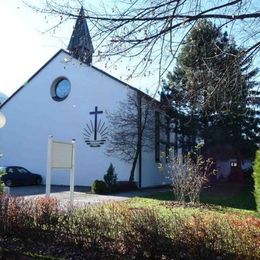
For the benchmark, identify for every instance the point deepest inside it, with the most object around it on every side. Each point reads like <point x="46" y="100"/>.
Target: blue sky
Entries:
<point x="25" y="48"/>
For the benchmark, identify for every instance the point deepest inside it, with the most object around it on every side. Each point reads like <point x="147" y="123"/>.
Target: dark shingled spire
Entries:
<point x="80" y="45"/>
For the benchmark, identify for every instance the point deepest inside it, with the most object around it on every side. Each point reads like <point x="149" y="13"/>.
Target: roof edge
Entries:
<point x="124" y="83"/>
<point x="34" y="75"/>
<point x="99" y="70"/>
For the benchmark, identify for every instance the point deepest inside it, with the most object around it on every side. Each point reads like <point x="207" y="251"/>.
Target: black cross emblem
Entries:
<point x="96" y="112"/>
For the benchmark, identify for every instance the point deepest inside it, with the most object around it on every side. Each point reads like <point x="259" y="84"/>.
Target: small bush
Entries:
<point x="144" y="234"/>
<point x="257" y="180"/>
<point x="99" y="187"/>
<point x="122" y="186"/>
<point x="1" y="183"/>
<point x="110" y="178"/>
<point x="46" y="211"/>
<point x="188" y="174"/>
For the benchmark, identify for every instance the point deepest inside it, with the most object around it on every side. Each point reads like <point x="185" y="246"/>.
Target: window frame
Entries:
<point x="55" y="86"/>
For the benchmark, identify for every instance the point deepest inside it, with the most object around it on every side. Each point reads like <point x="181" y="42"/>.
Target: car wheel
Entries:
<point x="9" y="183"/>
<point x="38" y="181"/>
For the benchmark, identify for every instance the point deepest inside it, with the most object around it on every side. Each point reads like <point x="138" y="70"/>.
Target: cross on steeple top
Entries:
<point x="80" y="45"/>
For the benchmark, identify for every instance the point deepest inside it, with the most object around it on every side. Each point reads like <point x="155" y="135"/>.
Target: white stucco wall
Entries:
<point x="32" y="115"/>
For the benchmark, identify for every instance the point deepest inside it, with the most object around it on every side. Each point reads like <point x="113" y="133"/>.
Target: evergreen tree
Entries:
<point x="214" y="80"/>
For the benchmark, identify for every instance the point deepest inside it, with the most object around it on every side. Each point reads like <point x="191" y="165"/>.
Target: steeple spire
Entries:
<point x="80" y="45"/>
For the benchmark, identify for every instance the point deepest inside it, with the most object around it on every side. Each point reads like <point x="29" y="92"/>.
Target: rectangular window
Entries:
<point x="176" y="136"/>
<point x="167" y="134"/>
<point x="157" y="136"/>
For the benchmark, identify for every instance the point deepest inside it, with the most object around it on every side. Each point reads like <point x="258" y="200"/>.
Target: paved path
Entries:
<point x="82" y="195"/>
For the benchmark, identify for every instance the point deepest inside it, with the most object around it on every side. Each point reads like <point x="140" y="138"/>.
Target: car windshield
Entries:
<point x="22" y="170"/>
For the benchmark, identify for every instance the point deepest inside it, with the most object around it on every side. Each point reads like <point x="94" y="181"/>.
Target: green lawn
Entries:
<point x="238" y="196"/>
<point x="220" y="197"/>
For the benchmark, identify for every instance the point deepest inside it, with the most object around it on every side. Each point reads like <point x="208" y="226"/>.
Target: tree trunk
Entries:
<point x="138" y="153"/>
<point x="131" y="177"/>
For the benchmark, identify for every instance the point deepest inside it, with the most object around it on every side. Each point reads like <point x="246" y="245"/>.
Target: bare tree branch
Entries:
<point x="150" y="33"/>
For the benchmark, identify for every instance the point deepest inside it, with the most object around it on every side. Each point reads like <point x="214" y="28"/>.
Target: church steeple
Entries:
<point x="80" y="45"/>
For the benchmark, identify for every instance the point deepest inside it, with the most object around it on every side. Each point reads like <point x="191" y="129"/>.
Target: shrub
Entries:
<point x="257" y="180"/>
<point x="99" y="187"/>
<point x="144" y="234"/>
<point x="1" y="184"/>
<point x="125" y="186"/>
<point x="188" y="174"/>
<point x="25" y="217"/>
<point x="110" y="177"/>
<point x="119" y="231"/>
<point x="46" y="211"/>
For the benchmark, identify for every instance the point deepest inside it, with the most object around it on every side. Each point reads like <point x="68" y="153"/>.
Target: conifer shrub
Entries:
<point x="110" y="178"/>
<point x="99" y="187"/>
<point x="256" y="176"/>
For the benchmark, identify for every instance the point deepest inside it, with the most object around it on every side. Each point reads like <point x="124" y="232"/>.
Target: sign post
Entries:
<point x="49" y="159"/>
<point x="61" y="155"/>
<point x="72" y="172"/>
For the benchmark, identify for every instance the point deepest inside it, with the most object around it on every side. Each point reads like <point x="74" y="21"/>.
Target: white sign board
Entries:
<point x="62" y="155"/>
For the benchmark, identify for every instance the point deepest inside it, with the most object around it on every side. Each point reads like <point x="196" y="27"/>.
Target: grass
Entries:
<point x="233" y="195"/>
<point x="9" y="254"/>
<point x="222" y="197"/>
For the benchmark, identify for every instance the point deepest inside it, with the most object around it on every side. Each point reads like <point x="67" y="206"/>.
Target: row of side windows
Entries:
<point x="157" y="136"/>
<point x="162" y="135"/>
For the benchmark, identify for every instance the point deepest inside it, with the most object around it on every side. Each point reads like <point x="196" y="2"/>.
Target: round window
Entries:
<point x="60" y="89"/>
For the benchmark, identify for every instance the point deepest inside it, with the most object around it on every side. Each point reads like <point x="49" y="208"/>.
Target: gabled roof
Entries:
<point x="95" y="68"/>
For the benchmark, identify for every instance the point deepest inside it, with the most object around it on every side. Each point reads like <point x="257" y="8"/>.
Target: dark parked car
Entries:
<point x="16" y="175"/>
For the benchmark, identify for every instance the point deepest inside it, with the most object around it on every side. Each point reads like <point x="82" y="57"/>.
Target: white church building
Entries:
<point x="69" y="98"/>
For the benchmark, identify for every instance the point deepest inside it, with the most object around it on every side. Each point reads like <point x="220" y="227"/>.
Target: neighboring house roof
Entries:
<point x="97" y="69"/>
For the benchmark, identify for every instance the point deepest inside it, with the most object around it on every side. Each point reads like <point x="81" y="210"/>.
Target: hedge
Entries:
<point x="257" y="180"/>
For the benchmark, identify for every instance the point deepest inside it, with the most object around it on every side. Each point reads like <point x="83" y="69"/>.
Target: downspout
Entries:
<point x="139" y="139"/>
